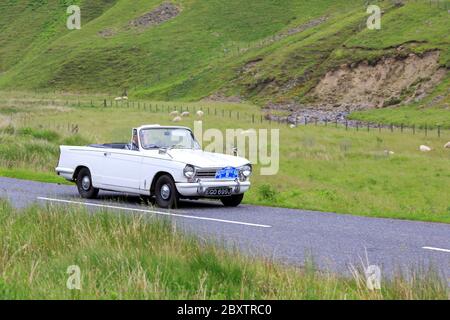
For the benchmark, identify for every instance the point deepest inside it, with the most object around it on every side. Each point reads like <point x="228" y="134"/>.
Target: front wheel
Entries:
<point x="84" y="184"/>
<point x="166" y="193"/>
<point x="232" y="201"/>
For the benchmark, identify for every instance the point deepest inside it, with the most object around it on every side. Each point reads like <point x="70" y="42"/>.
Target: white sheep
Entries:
<point x="176" y="119"/>
<point x="118" y="99"/>
<point x="447" y="145"/>
<point x="185" y="114"/>
<point x="424" y="148"/>
<point x="125" y="98"/>
<point x="174" y="113"/>
<point x="200" y="113"/>
<point x="292" y="126"/>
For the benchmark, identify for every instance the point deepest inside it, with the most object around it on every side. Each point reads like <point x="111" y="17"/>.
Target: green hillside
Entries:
<point x="262" y="51"/>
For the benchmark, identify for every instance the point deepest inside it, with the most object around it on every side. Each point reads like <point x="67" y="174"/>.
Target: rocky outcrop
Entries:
<point x="161" y="14"/>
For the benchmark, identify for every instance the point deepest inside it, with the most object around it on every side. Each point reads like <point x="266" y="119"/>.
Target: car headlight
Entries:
<point x="189" y="171"/>
<point x="246" y="170"/>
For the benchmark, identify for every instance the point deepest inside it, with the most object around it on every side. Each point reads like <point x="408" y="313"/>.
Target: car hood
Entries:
<point x="205" y="159"/>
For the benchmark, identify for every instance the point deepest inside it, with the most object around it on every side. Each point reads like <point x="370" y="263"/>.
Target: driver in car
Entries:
<point x="134" y="144"/>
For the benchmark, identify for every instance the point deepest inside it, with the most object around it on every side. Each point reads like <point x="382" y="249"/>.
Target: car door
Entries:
<point x="122" y="169"/>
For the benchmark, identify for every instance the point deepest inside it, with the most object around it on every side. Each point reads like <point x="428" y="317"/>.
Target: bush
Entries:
<point x="267" y="193"/>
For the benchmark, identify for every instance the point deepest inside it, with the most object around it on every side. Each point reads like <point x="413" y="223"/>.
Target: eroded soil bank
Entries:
<point x="387" y="82"/>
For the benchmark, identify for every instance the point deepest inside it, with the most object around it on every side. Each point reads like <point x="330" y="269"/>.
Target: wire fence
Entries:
<point x="172" y="110"/>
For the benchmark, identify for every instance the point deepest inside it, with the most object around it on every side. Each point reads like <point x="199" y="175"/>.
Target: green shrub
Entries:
<point x="267" y="193"/>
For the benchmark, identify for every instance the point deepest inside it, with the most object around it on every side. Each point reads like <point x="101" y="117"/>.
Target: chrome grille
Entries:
<point x="206" y="173"/>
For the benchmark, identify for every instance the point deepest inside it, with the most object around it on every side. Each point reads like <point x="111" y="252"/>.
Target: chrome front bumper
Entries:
<point x="198" y="188"/>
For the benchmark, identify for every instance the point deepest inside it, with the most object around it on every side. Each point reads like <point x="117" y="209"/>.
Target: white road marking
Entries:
<point x="155" y="212"/>
<point x="436" y="249"/>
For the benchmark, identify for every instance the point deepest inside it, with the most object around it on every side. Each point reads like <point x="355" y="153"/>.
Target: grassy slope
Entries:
<point x="28" y="27"/>
<point x="196" y="53"/>
<point x="132" y="257"/>
<point x="171" y="50"/>
<point x="324" y="169"/>
<point x="196" y="39"/>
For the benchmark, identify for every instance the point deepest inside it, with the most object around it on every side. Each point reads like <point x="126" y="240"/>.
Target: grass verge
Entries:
<point x="32" y="175"/>
<point x="131" y="257"/>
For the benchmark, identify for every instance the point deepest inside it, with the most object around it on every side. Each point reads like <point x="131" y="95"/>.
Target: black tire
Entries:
<point x="84" y="184"/>
<point x="166" y="193"/>
<point x="232" y="201"/>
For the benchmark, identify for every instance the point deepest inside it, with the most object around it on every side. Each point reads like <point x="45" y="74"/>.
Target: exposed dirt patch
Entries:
<point x="251" y="64"/>
<point x="161" y="14"/>
<point x="107" y="33"/>
<point x="389" y="81"/>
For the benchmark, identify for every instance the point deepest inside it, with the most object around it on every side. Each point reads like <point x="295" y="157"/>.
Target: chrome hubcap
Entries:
<point x="86" y="183"/>
<point x="165" y="192"/>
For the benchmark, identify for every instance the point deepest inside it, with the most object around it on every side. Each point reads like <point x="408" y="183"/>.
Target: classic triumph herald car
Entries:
<point x="161" y="161"/>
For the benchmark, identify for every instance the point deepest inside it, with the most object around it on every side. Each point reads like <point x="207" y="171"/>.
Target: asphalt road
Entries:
<point x="334" y="241"/>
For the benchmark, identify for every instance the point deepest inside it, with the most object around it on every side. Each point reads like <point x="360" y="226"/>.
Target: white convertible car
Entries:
<point x="164" y="162"/>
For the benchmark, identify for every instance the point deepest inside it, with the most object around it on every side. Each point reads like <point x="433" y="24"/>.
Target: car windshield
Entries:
<point x="170" y="138"/>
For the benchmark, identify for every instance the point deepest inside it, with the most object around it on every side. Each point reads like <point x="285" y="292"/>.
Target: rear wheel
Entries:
<point x="166" y="193"/>
<point x="232" y="201"/>
<point x="84" y="184"/>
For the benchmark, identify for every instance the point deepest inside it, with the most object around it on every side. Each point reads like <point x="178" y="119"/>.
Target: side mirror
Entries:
<point x="235" y="151"/>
